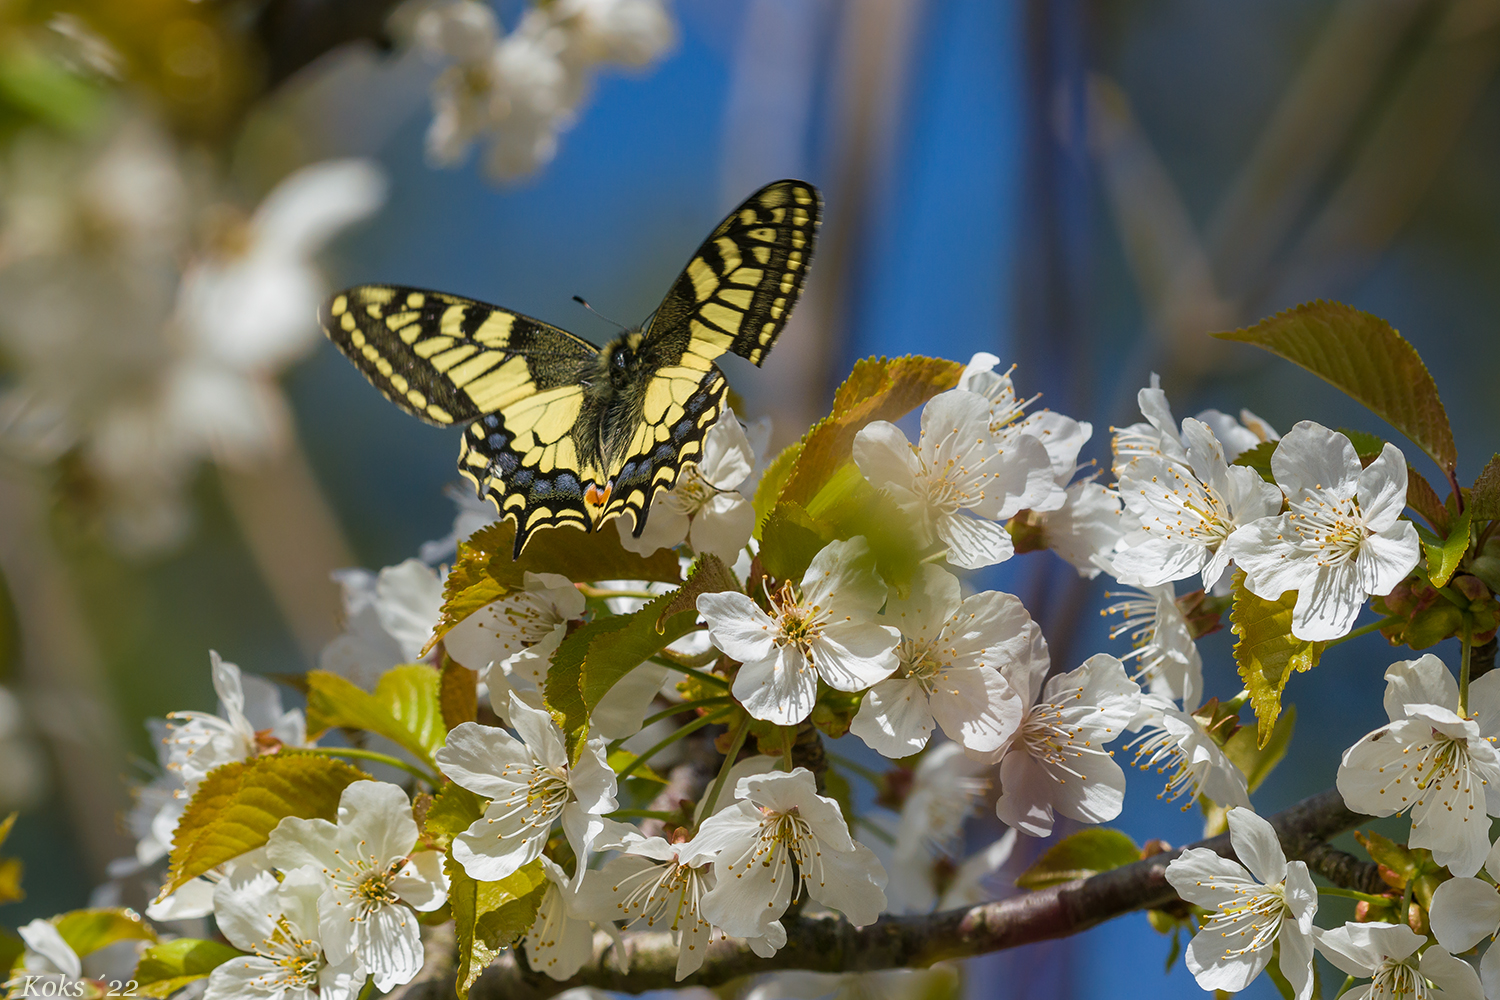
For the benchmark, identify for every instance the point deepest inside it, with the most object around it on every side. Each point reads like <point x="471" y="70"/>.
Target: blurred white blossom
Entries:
<point x="147" y="316"/>
<point x="520" y="90"/>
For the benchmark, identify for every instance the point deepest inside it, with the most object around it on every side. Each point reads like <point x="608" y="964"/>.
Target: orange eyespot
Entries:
<point x="595" y="497"/>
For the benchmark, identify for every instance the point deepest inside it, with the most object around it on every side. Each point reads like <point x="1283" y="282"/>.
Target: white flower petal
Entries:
<point x="1464" y="912"/>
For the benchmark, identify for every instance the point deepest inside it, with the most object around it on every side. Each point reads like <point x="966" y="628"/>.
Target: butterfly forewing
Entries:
<point x="448" y="359"/>
<point x="734" y="296"/>
<point x="738" y="291"/>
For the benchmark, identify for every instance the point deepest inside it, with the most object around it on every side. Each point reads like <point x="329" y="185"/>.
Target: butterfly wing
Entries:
<point x="735" y="295"/>
<point x="448" y="359"/>
<point x="532" y="444"/>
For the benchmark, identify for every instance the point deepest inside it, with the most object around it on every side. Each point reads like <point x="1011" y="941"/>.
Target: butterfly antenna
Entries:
<point x="584" y="302"/>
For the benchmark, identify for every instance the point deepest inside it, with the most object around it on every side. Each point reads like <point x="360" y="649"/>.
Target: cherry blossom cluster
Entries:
<point x="519" y="90"/>
<point x="943" y="697"/>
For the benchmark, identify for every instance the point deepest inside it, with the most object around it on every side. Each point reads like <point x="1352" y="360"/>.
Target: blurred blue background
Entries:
<point x="1086" y="189"/>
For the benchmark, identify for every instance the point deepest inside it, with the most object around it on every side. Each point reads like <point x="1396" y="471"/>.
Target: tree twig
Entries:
<point x="828" y="943"/>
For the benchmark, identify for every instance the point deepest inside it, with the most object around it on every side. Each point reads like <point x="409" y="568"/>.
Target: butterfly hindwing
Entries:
<point x="448" y="359"/>
<point x="664" y="438"/>
<point x="738" y="291"/>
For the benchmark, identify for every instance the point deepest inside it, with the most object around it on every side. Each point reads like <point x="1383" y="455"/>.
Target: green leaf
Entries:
<point x="1259" y="459"/>
<point x="490" y="916"/>
<point x="237" y="806"/>
<point x="453" y="810"/>
<point x="484" y="570"/>
<point x="458" y="694"/>
<point x="12" y="949"/>
<point x="621" y="759"/>
<point x="1362" y="355"/>
<point x="1085" y="853"/>
<point x="563" y="690"/>
<point x="1267" y="652"/>
<point x="1422" y="498"/>
<point x="1484" y="498"/>
<point x="641" y="635"/>
<point x="86" y="931"/>
<point x="876" y="389"/>
<point x="772" y="481"/>
<point x="1257" y="762"/>
<point x="789" y="539"/>
<point x="1444" y="554"/>
<point x="1366" y="445"/>
<point x="43" y="88"/>
<point x="404" y="707"/>
<point x="166" y="968"/>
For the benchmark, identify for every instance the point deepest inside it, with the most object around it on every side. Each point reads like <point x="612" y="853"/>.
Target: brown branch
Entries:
<point x="828" y="943"/>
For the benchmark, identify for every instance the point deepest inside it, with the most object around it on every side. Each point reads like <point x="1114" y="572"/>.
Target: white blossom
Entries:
<point x="779" y="821"/>
<point x="1086" y="529"/>
<point x="705" y="508"/>
<point x="1158" y="435"/>
<point x="1386" y="953"/>
<point x="1342" y="539"/>
<point x="47" y="956"/>
<point x="530" y="785"/>
<point x="1433" y="761"/>
<point x="373" y="879"/>
<point x="388" y="618"/>
<point x="1273" y="901"/>
<point x="1166" y="658"/>
<point x="278" y="924"/>
<point x="1055" y="761"/>
<point x="945" y="787"/>
<point x="656" y="885"/>
<point x="510" y="642"/>
<point x="1174" y="743"/>
<point x="1187" y="510"/>
<point x="198" y="742"/>
<point x="1062" y="436"/>
<point x="1465" y="911"/>
<point x="957" y="466"/>
<point x="946" y="668"/>
<point x="825" y="628"/>
<point x="560" y="940"/>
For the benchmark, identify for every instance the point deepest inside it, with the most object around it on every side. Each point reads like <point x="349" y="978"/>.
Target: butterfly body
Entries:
<point x="561" y="432"/>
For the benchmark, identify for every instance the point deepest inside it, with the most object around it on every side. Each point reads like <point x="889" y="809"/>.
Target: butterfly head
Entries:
<point x="622" y="357"/>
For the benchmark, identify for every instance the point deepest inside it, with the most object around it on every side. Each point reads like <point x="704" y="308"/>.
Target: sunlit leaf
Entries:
<point x="563" y="689"/>
<point x="458" y="694"/>
<point x="1080" y="855"/>
<point x="237" y="806"/>
<point x="86" y="931"/>
<point x="484" y="570"/>
<point x="1267" y="652"/>
<point x="1444" y="554"/>
<point x="453" y="810"/>
<point x="621" y="759"/>
<point x="166" y="968"/>
<point x="1366" y="358"/>
<point x="404" y="707"/>
<point x="876" y="389"/>
<point x="490" y="916"/>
